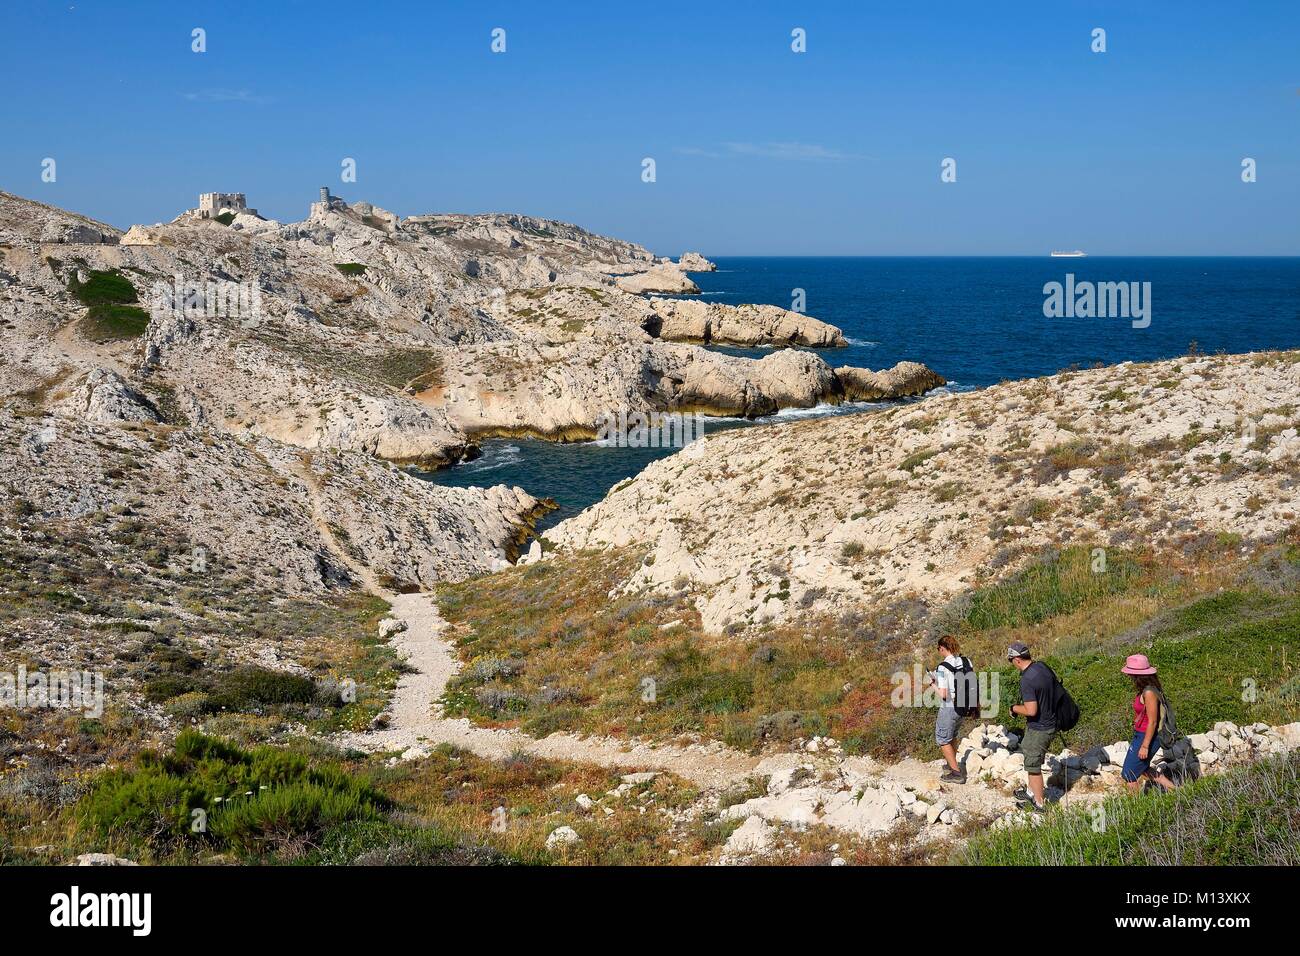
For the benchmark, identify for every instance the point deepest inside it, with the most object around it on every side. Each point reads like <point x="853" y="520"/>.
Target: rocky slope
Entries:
<point x="355" y="330"/>
<point x="910" y="504"/>
<point x="254" y="505"/>
<point x="867" y="798"/>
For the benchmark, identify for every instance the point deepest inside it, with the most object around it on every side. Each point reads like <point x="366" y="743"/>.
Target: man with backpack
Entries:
<point x="1048" y="709"/>
<point x="958" y="687"/>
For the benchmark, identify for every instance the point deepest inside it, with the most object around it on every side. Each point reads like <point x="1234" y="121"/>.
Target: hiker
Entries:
<point x="1150" y="710"/>
<point x="1047" y="709"/>
<point x="958" y="689"/>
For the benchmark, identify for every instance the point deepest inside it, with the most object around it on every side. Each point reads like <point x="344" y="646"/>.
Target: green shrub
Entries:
<point x="249" y="687"/>
<point x="918" y="458"/>
<point x="108" y="287"/>
<point x="168" y="686"/>
<point x="252" y="798"/>
<point x="553" y="720"/>
<point x="188" y="705"/>
<point x="114" y="323"/>
<point x="351" y="268"/>
<point x="1057" y="585"/>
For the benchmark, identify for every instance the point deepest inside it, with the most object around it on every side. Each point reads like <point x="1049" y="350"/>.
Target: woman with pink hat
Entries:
<point x="1146" y="721"/>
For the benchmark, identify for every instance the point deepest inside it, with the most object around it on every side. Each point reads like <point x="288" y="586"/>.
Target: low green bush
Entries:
<point x="113" y="323"/>
<point x="1247" y="817"/>
<point x="378" y="843"/>
<point x="253" y="800"/>
<point x="1060" y="584"/>
<point x="103" y="287"/>
<point x="249" y="687"/>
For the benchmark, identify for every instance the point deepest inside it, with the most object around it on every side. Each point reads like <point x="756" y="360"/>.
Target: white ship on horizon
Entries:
<point x="1072" y="254"/>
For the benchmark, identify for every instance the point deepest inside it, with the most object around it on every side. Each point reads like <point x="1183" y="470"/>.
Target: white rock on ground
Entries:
<point x="561" y="837"/>
<point x="752" y="836"/>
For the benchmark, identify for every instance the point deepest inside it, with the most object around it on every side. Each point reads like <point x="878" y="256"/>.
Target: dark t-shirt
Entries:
<point x="1036" y="684"/>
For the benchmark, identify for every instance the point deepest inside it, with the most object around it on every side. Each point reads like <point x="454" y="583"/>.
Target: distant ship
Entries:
<point x="1075" y="254"/>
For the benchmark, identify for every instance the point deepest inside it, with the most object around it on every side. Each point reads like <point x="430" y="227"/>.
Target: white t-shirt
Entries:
<point x="947" y="679"/>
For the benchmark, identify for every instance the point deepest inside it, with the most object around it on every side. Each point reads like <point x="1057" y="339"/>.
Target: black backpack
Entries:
<point x="1062" y="705"/>
<point x="1181" y="762"/>
<point x="1166" y="727"/>
<point x="966" y="692"/>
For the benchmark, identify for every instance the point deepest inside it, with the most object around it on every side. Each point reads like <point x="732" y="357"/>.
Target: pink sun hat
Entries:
<point x="1137" y="664"/>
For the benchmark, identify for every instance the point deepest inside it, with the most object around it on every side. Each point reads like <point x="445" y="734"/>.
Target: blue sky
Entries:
<point x="758" y="150"/>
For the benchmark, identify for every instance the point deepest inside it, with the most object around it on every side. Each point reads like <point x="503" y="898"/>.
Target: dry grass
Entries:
<point x="546" y="648"/>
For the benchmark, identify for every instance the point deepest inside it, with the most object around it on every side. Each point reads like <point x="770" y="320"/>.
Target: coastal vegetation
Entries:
<point x="555" y="646"/>
<point x="206" y="800"/>
<point x="1249" y="816"/>
<point x="111" y="313"/>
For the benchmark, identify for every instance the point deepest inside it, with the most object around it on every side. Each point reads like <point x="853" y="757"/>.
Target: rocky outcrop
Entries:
<point x="813" y="519"/>
<point x="251" y="505"/>
<point x="567" y="313"/>
<point x="104" y="397"/>
<point x="561" y="391"/>
<point x="904" y="379"/>
<point x="667" y="278"/>
<point x="863" y="797"/>
<point x="140" y="236"/>
<point x="397" y="338"/>
<point x="694" y="262"/>
<point x="744" y="325"/>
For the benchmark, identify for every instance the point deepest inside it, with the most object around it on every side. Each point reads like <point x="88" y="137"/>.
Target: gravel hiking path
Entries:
<point x="415" y="721"/>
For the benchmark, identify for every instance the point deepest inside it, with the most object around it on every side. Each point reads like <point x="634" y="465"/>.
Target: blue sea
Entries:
<point x="976" y="321"/>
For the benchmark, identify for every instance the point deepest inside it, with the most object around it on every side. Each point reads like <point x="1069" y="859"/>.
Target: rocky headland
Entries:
<point x="919" y="502"/>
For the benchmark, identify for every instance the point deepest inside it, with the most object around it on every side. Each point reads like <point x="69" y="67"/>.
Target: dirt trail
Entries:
<point x="414" y="722"/>
<point x="85" y="354"/>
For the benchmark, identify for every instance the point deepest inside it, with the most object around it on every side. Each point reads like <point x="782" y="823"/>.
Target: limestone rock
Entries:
<point x="798" y="521"/>
<point x="694" y="262"/>
<point x="140" y="236"/>
<point x="562" y="837"/>
<point x="905" y="378"/>
<point x="102" y="859"/>
<point x="105" y="397"/>
<point x="667" y="279"/>
<point x="751" y="837"/>
<point x="390" y="626"/>
<point x="746" y="325"/>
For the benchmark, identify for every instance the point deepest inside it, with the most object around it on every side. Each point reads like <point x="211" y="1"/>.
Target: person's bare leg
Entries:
<point x="949" y="752"/>
<point x="1134" y="786"/>
<point x="1161" y="779"/>
<point x="1036" y="787"/>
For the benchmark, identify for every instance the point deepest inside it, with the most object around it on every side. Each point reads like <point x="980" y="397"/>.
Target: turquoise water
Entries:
<point x="976" y="321"/>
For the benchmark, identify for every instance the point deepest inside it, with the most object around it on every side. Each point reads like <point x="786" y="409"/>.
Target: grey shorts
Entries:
<point x="945" y="725"/>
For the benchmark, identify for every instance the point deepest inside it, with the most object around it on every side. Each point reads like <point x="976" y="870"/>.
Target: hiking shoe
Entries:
<point x="953" y="776"/>
<point x="1023" y="795"/>
<point x="1035" y="808"/>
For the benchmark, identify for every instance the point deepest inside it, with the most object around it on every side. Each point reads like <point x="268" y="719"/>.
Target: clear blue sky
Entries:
<point x="759" y="150"/>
